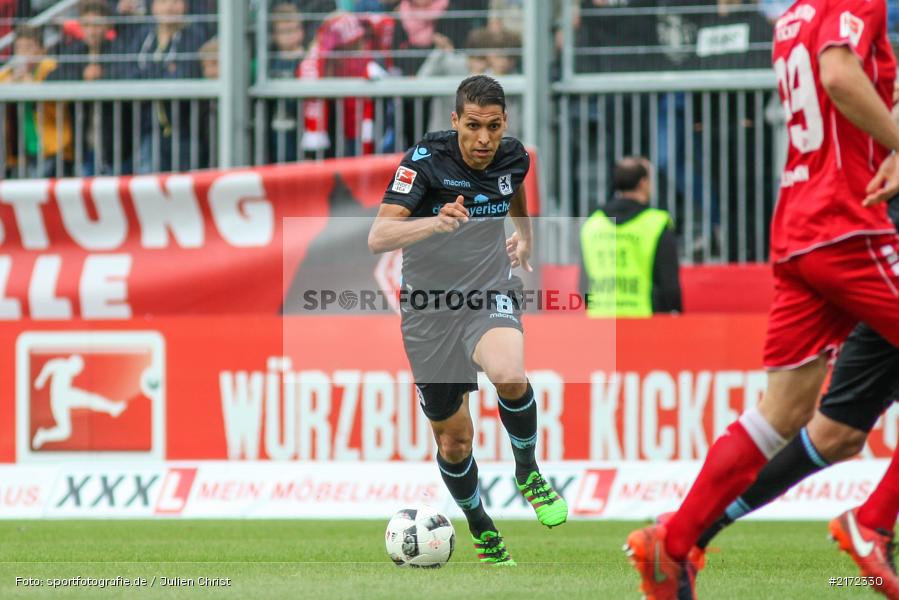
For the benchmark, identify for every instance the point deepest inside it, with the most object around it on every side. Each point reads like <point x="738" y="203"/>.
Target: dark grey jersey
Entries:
<point x="472" y="258"/>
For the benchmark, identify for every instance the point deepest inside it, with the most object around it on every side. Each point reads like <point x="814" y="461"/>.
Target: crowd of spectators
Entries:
<point x="176" y="39"/>
<point x="106" y="40"/>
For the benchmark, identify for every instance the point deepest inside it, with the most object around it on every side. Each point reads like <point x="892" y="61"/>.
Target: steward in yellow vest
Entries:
<point x="629" y="257"/>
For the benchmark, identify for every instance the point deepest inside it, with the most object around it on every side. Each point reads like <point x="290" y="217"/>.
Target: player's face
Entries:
<point x="481" y="129"/>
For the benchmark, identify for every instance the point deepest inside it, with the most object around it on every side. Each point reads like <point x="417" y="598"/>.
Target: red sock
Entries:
<point x="880" y="509"/>
<point x="730" y="468"/>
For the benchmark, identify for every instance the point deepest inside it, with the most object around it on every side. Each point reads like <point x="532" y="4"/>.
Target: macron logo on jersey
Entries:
<point x="851" y="27"/>
<point x="420" y="154"/>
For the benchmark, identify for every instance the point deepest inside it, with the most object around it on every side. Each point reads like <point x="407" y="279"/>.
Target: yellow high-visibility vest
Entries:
<point x="619" y="260"/>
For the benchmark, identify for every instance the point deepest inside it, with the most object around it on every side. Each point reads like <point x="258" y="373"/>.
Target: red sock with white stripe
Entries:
<point x="732" y="464"/>
<point x="880" y="509"/>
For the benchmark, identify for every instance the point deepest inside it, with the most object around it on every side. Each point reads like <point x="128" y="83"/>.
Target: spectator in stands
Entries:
<point x="92" y="58"/>
<point x="287" y="41"/>
<point x="168" y="50"/>
<point x="462" y="17"/>
<point x="87" y="58"/>
<point x="445" y="61"/>
<point x="36" y="142"/>
<point x="629" y="262"/>
<point x="485" y="52"/>
<point x="287" y="52"/>
<point x="415" y="35"/>
<point x="503" y="58"/>
<point x="346" y="45"/>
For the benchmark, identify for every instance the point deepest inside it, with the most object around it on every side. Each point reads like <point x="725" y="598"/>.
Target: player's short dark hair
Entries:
<point x="482" y="90"/>
<point x="628" y="172"/>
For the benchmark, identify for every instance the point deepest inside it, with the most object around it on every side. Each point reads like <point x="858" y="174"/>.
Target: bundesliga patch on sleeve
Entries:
<point x="851" y="27"/>
<point x="403" y="180"/>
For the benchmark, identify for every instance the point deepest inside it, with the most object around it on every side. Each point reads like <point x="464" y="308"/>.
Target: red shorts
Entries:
<point x="821" y="295"/>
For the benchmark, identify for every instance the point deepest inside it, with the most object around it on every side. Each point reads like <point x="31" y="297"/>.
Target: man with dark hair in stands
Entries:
<point x="629" y="262"/>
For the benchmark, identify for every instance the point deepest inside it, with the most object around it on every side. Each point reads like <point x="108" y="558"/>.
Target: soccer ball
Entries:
<point x="420" y="537"/>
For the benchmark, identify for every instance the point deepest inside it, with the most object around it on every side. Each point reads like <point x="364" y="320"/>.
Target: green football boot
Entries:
<point x="492" y="549"/>
<point x="550" y="507"/>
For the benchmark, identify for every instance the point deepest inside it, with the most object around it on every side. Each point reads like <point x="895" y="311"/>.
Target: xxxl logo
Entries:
<point x="90" y="394"/>
<point x="593" y="495"/>
<point x="122" y="493"/>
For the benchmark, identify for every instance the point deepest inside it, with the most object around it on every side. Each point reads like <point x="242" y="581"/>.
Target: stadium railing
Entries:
<point x="713" y="135"/>
<point x="715" y="140"/>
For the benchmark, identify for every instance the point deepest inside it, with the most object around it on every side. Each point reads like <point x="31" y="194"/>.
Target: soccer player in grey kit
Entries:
<point x="461" y="313"/>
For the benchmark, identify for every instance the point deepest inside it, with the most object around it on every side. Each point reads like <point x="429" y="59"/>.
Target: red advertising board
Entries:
<point x="339" y="388"/>
<point x="204" y="243"/>
<point x="141" y="319"/>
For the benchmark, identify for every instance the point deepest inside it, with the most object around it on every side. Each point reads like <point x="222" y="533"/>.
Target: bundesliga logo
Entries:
<point x="81" y="393"/>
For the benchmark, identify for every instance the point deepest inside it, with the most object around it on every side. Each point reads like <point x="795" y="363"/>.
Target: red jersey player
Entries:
<point x="835" y="255"/>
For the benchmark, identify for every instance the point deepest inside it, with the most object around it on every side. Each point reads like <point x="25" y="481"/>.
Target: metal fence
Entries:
<point x="716" y="144"/>
<point x="90" y="130"/>
<point x="390" y="117"/>
<point x="715" y="137"/>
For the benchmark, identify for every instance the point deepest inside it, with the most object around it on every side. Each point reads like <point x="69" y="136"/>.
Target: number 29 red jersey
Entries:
<point x="830" y="161"/>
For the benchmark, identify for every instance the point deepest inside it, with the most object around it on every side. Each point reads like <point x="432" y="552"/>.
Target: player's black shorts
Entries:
<point x="440" y="347"/>
<point x="865" y="380"/>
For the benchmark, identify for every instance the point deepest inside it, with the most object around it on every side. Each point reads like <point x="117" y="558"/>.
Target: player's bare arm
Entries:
<point x="854" y="95"/>
<point x="394" y="229"/>
<point x="519" y="245"/>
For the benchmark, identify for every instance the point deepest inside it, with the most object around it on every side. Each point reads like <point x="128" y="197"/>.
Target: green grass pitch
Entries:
<point x="346" y="559"/>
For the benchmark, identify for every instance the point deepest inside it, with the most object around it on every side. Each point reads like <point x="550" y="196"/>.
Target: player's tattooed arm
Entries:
<point x="394" y="229"/>
<point x="518" y="247"/>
